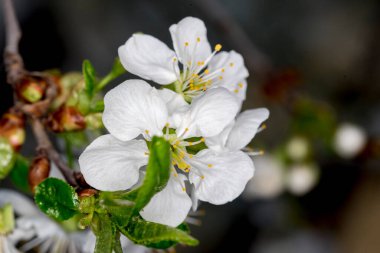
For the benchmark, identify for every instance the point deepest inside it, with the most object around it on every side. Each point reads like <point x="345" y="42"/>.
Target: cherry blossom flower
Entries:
<point x="201" y="68"/>
<point x="34" y="228"/>
<point x="134" y="108"/>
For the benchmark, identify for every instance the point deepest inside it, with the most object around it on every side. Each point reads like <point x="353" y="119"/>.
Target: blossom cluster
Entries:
<point x="196" y="110"/>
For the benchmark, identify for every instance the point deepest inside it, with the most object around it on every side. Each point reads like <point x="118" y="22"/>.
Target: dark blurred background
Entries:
<point x="314" y="64"/>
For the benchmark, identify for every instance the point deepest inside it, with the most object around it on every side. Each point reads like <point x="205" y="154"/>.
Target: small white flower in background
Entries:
<point x="301" y="178"/>
<point x="134" y="108"/>
<point x="35" y="228"/>
<point x="269" y="180"/>
<point x="349" y="140"/>
<point x="298" y="148"/>
<point x="149" y="58"/>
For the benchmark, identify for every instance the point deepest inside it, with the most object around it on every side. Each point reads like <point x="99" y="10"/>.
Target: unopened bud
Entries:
<point x="31" y="89"/>
<point x="67" y="118"/>
<point x="39" y="170"/>
<point x="12" y="129"/>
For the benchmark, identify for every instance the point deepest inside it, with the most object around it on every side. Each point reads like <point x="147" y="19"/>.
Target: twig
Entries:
<point x="15" y="73"/>
<point x="46" y="146"/>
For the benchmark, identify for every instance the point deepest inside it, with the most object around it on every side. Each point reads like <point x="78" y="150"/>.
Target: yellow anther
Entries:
<point x="218" y="47"/>
<point x="186" y="44"/>
<point x="220" y="77"/>
<point x="202" y="177"/>
<point x="146" y="153"/>
<point x="174" y="59"/>
<point x="223" y="70"/>
<point x="261" y="152"/>
<point x="240" y="85"/>
<point x="183" y="189"/>
<point x="210" y="165"/>
<point x="176" y="174"/>
<point x="202" y="139"/>
<point x="236" y="90"/>
<point x="186" y="129"/>
<point x="207" y="71"/>
<point x="190" y="156"/>
<point x="147" y="131"/>
<point x="167" y="124"/>
<point x="263" y="126"/>
<point x="200" y="63"/>
<point x="198" y="39"/>
<point x="232" y="64"/>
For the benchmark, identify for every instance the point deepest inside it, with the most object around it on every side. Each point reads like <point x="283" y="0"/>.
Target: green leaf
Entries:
<point x="120" y="214"/>
<point x="157" y="172"/>
<point x="89" y="78"/>
<point x="105" y="233"/>
<point x="7" y="156"/>
<point x="116" y="71"/>
<point x="156" y="235"/>
<point x="19" y="173"/>
<point x="57" y="199"/>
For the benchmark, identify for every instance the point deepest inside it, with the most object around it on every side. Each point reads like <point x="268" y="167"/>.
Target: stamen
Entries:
<point x="198" y="39"/>
<point x="218" y="47"/>
<point x="240" y="85"/>
<point x="186" y="44"/>
<point x="210" y="165"/>
<point x="232" y="64"/>
<point x="146" y="153"/>
<point x="147" y="132"/>
<point x="236" y="90"/>
<point x="263" y="127"/>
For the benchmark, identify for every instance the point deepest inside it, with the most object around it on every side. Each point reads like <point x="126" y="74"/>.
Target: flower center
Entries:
<point x="195" y="78"/>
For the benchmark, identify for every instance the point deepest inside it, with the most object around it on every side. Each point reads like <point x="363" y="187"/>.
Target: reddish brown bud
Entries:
<point x="39" y="170"/>
<point x="87" y="193"/>
<point x="31" y="90"/>
<point x="66" y="118"/>
<point x="12" y="128"/>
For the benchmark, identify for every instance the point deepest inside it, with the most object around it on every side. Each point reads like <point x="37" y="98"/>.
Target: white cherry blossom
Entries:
<point x="192" y="67"/>
<point x="133" y="109"/>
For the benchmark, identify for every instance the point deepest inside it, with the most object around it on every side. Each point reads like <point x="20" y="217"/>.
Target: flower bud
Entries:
<point x="66" y="118"/>
<point x="301" y="178"/>
<point x="12" y="129"/>
<point x="31" y="89"/>
<point x="39" y="170"/>
<point x="349" y="140"/>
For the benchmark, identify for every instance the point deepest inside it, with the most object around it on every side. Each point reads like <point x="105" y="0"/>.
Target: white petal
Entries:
<point x="173" y="100"/>
<point x="231" y="65"/>
<point x="239" y="89"/>
<point x="170" y="206"/>
<point x="132" y="108"/>
<point x="225" y="175"/>
<point x="149" y="58"/>
<point x="192" y="32"/>
<point x="209" y="114"/>
<point x="109" y="164"/>
<point x="22" y="205"/>
<point x="245" y="128"/>
<point x="218" y="142"/>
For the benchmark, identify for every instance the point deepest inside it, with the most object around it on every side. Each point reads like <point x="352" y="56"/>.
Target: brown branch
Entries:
<point x="46" y="146"/>
<point x="15" y="73"/>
